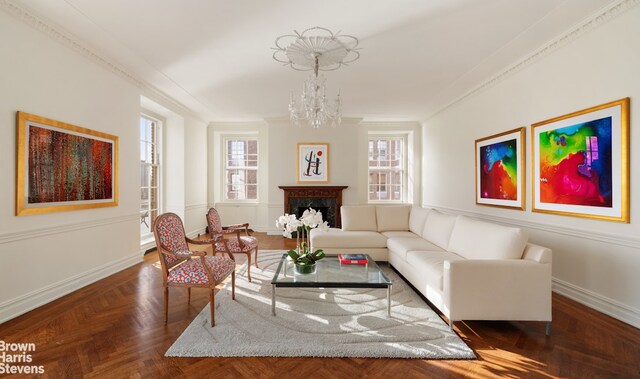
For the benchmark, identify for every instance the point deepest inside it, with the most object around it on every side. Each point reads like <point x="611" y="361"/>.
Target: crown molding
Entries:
<point x="599" y="18"/>
<point x="58" y="34"/>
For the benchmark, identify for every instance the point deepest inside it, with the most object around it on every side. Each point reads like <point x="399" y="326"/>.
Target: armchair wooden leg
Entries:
<point x="233" y="284"/>
<point x="166" y="304"/>
<point x="188" y="294"/>
<point x="249" y="265"/>
<point x="256" y="263"/>
<point x="212" y="306"/>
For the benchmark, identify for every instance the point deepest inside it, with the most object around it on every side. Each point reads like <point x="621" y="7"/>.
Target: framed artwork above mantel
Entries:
<point x="313" y="162"/>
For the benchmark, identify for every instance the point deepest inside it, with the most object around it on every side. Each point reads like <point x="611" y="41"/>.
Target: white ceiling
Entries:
<point x="214" y="56"/>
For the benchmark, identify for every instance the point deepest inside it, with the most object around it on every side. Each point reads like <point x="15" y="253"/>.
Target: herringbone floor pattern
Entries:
<point x="114" y="328"/>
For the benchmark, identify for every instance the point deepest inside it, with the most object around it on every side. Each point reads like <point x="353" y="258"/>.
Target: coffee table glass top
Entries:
<point x="330" y="273"/>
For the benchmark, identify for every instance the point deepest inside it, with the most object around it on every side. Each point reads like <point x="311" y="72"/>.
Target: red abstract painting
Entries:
<point x="67" y="167"/>
<point x="63" y="167"/>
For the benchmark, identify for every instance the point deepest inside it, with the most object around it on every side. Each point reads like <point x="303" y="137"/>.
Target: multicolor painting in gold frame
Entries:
<point x="580" y="164"/>
<point x="63" y="167"/>
<point x="500" y="170"/>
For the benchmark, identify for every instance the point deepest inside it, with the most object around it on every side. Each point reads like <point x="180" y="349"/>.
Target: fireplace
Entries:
<point x="326" y="199"/>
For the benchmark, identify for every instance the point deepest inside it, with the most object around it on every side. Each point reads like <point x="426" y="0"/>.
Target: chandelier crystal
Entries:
<point x="306" y="52"/>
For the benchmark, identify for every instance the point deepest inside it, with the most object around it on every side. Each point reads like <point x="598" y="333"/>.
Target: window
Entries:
<point x="149" y="172"/>
<point x="386" y="169"/>
<point x="241" y="169"/>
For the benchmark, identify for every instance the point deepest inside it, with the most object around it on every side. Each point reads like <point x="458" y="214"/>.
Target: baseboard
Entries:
<point x="598" y="302"/>
<point x="34" y="299"/>
<point x="145" y="245"/>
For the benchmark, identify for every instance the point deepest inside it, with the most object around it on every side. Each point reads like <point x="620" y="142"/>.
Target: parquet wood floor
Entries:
<point x="114" y="328"/>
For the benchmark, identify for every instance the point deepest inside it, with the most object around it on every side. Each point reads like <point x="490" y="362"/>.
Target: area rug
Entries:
<point x="317" y="322"/>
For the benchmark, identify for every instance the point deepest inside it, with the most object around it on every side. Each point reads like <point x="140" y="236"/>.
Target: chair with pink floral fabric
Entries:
<point x="237" y="244"/>
<point x="182" y="267"/>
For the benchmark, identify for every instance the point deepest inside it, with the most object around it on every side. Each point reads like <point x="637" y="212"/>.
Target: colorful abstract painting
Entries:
<point x="581" y="163"/>
<point x="499" y="161"/>
<point x="66" y="167"/>
<point x="575" y="164"/>
<point x="313" y="162"/>
<point x="63" y="167"/>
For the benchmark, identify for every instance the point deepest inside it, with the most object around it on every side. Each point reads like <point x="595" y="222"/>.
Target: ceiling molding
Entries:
<point x="599" y="18"/>
<point x="27" y="16"/>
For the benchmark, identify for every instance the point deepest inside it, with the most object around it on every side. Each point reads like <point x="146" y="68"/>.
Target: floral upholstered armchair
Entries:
<point x="235" y="244"/>
<point x="182" y="267"/>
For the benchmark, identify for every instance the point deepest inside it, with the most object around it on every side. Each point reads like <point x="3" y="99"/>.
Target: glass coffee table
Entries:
<point x="330" y="273"/>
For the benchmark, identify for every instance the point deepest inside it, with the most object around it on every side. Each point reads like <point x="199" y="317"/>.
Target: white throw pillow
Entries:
<point x="359" y="218"/>
<point x="392" y="217"/>
<point x="475" y="239"/>
<point x="437" y="228"/>
<point x="417" y="219"/>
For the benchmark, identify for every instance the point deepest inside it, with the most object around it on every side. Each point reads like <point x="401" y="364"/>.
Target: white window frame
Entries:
<point x="403" y="169"/>
<point x="144" y="238"/>
<point x="226" y="168"/>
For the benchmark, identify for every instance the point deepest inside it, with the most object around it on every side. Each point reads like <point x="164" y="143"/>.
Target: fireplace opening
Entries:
<point x="325" y="199"/>
<point x="298" y="205"/>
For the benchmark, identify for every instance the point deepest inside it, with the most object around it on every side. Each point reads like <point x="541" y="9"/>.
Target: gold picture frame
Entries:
<point x="500" y="170"/>
<point x="313" y="162"/>
<point x="580" y="163"/>
<point x="63" y="167"/>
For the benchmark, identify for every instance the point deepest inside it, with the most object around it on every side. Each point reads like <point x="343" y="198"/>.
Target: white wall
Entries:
<point x="595" y="262"/>
<point x="45" y="256"/>
<point x="195" y="176"/>
<point x="278" y="141"/>
<point x="174" y="157"/>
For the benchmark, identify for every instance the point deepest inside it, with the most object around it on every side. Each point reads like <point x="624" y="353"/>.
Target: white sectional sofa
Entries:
<point x="469" y="269"/>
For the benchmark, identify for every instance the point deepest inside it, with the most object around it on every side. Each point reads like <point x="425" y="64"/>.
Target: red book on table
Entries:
<point x="353" y="259"/>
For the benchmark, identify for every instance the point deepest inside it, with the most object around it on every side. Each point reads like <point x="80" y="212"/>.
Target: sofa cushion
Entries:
<point x="475" y="239"/>
<point x="393" y="218"/>
<point x="401" y="246"/>
<point x="400" y="235"/>
<point x="417" y="219"/>
<point x="361" y="218"/>
<point x="438" y="227"/>
<point x="431" y="264"/>
<point x="337" y="238"/>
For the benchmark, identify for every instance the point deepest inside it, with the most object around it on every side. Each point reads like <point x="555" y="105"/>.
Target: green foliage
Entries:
<point x="306" y="257"/>
<point x="294" y="255"/>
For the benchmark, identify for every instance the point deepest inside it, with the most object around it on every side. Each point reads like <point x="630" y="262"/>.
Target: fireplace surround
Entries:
<point x="326" y="199"/>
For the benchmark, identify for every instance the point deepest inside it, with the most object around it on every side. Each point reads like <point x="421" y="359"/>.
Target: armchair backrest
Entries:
<point x="170" y="237"/>
<point x="213" y="221"/>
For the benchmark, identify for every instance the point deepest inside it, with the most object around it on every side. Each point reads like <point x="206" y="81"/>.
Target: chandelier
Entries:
<point x="315" y="49"/>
